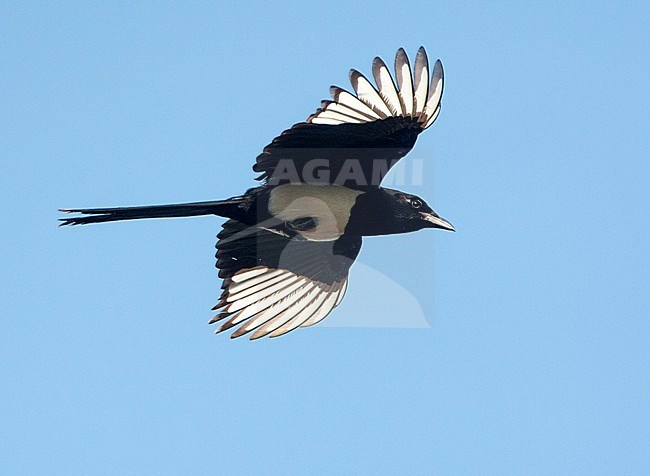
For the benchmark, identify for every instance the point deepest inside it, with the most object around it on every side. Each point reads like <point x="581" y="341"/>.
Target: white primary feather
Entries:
<point x="249" y="273"/>
<point x="258" y="287"/>
<point x="386" y="86"/>
<point x="299" y="307"/>
<point x="416" y="93"/>
<point x="277" y="301"/>
<point x="404" y="81"/>
<point x="435" y="91"/>
<point x="320" y="314"/>
<point x="367" y="93"/>
<point x="348" y="111"/>
<point x="289" y="304"/>
<point x="277" y="329"/>
<point x="421" y="82"/>
<point x="252" y="308"/>
<point x="266" y="295"/>
<point x="325" y="120"/>
<point x="298" y="320"/>
<point x="331" y="114"/>
<point x="341" y="96"/>
<point x="253" y="280"/>
<point x="433" y="117"/>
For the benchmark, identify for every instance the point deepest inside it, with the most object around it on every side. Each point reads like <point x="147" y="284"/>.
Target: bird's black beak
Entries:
<point x="435" y="221"/>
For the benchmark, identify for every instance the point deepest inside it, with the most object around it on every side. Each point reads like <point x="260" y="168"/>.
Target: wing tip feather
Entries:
<point x="385" y="104"/>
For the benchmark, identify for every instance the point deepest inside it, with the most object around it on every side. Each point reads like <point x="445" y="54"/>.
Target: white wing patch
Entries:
<point x="329" y="205"/>
<point x="414" y="95"/>
<point x="387" y="89"/>
<point x="404" y="82"/>
<point x="421" y="80"/>
<point x="271" y="302"/>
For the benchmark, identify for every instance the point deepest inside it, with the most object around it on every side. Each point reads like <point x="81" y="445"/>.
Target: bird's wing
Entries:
<point x="355" y="139"/>
<point x="275" y="282"/>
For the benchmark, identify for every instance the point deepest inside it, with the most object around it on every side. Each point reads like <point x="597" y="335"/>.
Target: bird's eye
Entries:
<point x="415" y="203"/>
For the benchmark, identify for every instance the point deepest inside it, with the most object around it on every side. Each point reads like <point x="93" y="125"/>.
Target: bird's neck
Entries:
<point x="372" y="215"/>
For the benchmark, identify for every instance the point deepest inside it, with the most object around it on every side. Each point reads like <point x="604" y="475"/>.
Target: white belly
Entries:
<point x="329" y="205"/>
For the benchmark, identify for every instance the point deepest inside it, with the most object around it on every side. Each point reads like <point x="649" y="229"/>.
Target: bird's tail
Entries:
<point x="99" y="215"/>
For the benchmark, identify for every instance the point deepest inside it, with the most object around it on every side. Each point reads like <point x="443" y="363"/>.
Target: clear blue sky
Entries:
<point x="537" y="355"/>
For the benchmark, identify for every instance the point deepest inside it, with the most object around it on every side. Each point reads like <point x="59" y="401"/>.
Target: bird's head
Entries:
<point x="384" y="211"/>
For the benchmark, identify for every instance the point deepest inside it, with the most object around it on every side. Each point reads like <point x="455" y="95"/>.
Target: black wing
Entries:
<point x="355" y="139"/>
<point x="275" y="282"/>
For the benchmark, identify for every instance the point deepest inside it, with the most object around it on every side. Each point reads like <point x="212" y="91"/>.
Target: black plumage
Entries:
<point x="285" y="252"/>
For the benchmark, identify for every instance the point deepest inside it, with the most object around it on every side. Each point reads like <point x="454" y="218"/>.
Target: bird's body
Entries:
<point x="286" y="249"/>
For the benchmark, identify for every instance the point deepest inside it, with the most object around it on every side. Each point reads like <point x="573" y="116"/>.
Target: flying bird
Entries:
<point x="285" y="252"/>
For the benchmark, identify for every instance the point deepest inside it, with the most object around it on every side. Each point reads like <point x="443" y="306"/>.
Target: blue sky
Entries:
<point x="536" y="356"/>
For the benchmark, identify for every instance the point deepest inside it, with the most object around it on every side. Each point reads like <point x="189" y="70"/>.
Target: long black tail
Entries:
<point x="100" y="215"/>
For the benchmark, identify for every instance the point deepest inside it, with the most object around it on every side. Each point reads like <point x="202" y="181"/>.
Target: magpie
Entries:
<point x="287" y="246"/>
